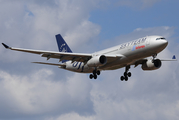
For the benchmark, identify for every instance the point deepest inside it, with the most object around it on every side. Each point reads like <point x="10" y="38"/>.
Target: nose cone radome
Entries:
<point x="164" y="43"/>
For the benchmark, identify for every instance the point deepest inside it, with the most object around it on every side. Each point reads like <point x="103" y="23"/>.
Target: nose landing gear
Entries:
<point x="126" y="74"/>
<point x="154" y="57"/>
<point x="94" y="75"/>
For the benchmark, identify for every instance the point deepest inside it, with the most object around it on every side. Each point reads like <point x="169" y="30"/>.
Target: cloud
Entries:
<point x="37" y="94"/>
<point x="73" y="116"/>
<point x="34" y="24"/>
<point x="41" y="92"/>
<point x="147" y="95"/>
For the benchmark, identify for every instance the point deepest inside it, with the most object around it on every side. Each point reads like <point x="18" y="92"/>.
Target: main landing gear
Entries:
<point x="126" y="74"/>
<point x="94" y="75"/>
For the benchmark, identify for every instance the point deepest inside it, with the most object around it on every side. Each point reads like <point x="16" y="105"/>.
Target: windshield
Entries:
<point x="162" y="38"/>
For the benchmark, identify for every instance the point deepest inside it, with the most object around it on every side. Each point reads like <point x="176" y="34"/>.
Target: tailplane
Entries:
<point x="62" y="45"/>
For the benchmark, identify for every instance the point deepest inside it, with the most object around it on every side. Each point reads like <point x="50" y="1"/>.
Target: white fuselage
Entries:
<point x="130" y="52"/>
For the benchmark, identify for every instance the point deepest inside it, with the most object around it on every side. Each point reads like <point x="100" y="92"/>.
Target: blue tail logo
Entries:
<point x="62" y="45"/>
<point x="174" y="57"/>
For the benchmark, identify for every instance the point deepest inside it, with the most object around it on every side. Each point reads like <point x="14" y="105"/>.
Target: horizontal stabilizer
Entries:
<point x="173" y="59"/>
<point x="61" y="65"/>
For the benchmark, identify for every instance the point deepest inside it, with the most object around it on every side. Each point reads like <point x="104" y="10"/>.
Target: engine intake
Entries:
<point x="152" y="64"/>
<point x="97" y="61"/>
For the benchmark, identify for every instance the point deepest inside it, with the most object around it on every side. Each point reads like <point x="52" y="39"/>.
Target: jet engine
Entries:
<point x="97" y="61"/>
<point x="151" y="64"/>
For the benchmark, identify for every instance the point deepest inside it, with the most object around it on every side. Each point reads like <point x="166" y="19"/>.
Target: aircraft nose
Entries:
<point x="164" y="43"/>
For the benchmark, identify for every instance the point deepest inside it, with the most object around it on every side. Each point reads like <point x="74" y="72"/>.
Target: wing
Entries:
<point x="80" y="57"/>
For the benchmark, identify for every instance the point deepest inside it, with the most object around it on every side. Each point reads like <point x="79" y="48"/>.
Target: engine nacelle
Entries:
<point x="97" y="61"/>
<point x="152" y="64"/>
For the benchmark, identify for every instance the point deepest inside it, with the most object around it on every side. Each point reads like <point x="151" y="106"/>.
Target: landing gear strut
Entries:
<point x="126" y="74"/>
<point x="94" y="75"/>
<point x="154" y="56"/>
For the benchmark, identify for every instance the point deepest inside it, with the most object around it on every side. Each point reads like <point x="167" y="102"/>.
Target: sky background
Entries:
<point x="38" y="92"/>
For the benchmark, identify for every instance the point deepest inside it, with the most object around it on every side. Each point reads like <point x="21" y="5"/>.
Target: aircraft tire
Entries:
<point x="129" y="74"/>
<point x="91" y="76"/>
<point x="95" y="76"/>
<point x="98" y="72"/>
<point x="122" y="78"/>
<point x="126" y="78"/>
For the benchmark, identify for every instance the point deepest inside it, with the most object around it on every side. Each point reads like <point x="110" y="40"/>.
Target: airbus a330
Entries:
<point x="124" y="55"/>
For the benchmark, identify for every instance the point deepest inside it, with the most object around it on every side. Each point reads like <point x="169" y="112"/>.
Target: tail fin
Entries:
<point x="174" y="57"/>
<point x="62" y="45"/>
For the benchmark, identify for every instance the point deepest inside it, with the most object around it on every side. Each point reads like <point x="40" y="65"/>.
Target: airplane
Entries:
<point x="135" y="53"/>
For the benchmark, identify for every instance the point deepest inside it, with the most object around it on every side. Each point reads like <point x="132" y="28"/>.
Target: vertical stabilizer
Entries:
<point x="62" y="45"/>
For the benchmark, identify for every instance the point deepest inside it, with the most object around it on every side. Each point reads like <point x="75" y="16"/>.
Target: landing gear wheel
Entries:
<point x="129" y="74"/>
<point x="126" y="78"/>
<point x="91" y="76"/>
<point x="98" y="72"/>
<point x="95" y="76"/>
<point x="122" y="78"/>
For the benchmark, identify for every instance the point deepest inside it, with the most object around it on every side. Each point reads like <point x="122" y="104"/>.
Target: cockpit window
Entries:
<point x="161" y="38"/>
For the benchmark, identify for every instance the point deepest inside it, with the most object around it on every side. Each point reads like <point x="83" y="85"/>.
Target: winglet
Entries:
<point x="6" y="46"/>
<point x="174" y="57"/>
